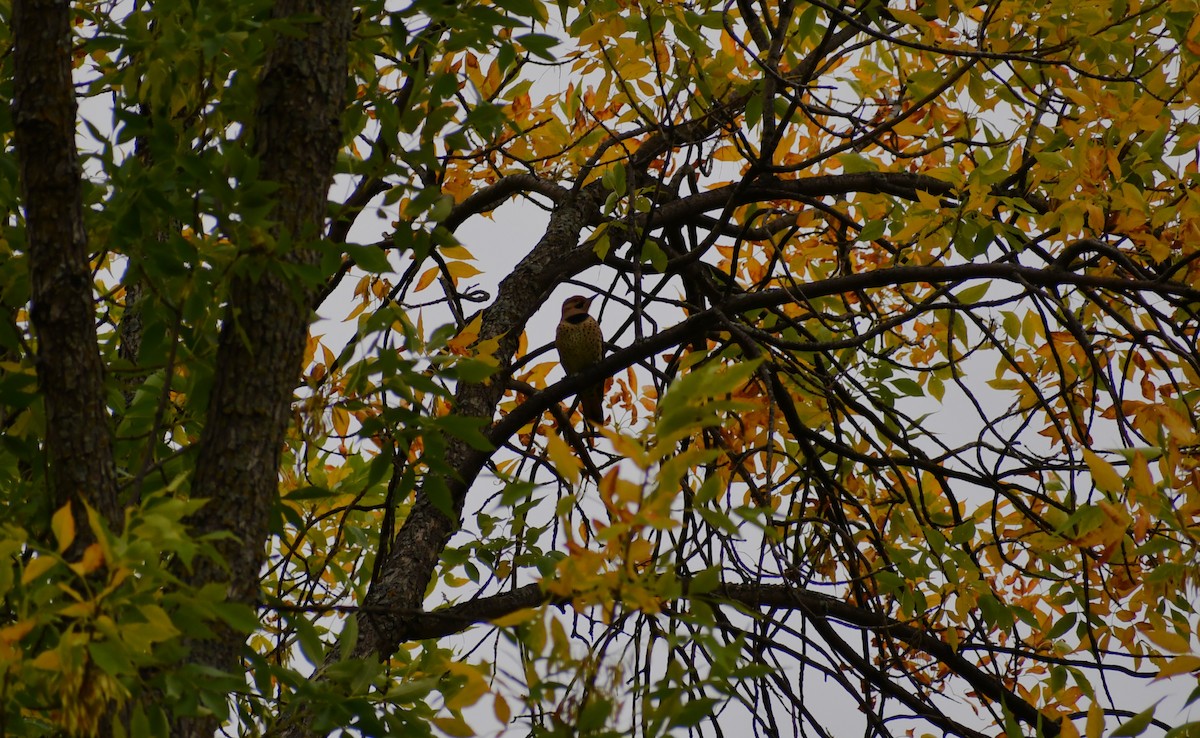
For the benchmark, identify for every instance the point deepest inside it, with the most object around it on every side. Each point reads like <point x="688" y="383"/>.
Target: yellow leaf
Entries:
<point x="1104" y="475"/>
<point x="1095" y="721"/>
<point x="523" y="615"/>
<point x="640" y="552"/>
<point x="457" y="252"/>
<point x="16" y="631"/>
<point x="1067" y="729"/>
<point x="928" y="201"/>
<point x="1117" y="515"/>
<point x="79" y="610"/>
<point x="310" y="349"/>
<point x="908" y="17"/>
<point x="1143" y="482"/>
<point x="466" y="336"/>
<point x="558" y="636"/>
<point x="628" y="447"/>
<point x="37" y="567"/>
<point x="727" y="153"/>
<point x="485" y="351"/>
<point x="536" y="374"/>
<point x="503" y="711"/>
<point x="1185" y="664"/>
<point x="427" y="278"/>
<point x="63" y="525"/>
<point x="341" y="421"/>
<point x="562" y="457"/>
<point x="455" y="581"/>
<point x="1179" y="427"/>
<point x="470" y="693"/>
<point x="461" y="270"/>
<point x="1168" y="640"/>
<point x="454" y="726"/>
<point x="48" y="660"/>
<point x="92" y="559"/>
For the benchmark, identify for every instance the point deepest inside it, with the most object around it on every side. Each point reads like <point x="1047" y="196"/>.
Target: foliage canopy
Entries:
<point x="903" y="382"/>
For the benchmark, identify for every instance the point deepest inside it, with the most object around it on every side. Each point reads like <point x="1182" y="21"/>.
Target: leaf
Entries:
<point x="1167" y="640"/>
<point x="475" y="686"/>
<point x="1104" y="475"/>
<point x="1135" y="725"/>
<point x="454" y="726"/>
<point x="37" y="567"/>
<point x="63" y="525"/>
<point x="519" y="617"/>
<point x="501" y="709"/>
<point x="705" y="580"/>
<point x="349" y="637"/>
<point x="908" y="387"/>
<point x="1185" y="664"/>
<point x="563" y="458"/>
<point x="689" y="403"/>
<point x="111" y="657"/>
<point x="974" y="294"/>
<point x="427" y="278"/>
<point x="369" y="258"/>
<point x="1095" y="721"/>
<point x="856" y="163"/>
<point x="693" y="712"/>
<point x="539" y="43"/>
<point x="908" y="17"/>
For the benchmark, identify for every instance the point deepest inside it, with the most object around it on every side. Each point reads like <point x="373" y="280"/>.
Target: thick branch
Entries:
<point x="701" y="323"/>
<point x="296" y="134"/>
<point x="457" y="618"/>
<point x="900" y="184"/>
<point x="419" y="543"/>
<point x="70" y="373"/>
<point x="491" y="197"/>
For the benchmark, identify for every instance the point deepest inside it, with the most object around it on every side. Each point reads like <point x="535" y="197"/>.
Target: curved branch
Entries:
<point x="900" y="184"/>
<point x="814" y="605"/>
<point x="492" y="196"/>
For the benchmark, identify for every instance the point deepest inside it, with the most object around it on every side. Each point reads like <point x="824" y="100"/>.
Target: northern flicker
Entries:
<point x="580" y="344"/>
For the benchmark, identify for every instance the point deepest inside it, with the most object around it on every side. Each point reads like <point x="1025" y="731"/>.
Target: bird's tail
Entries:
<point x="591" y="401"/>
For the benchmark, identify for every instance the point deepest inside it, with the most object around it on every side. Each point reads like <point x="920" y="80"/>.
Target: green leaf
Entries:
<point x="655" y="255"/>
<point x="310" y="642"/>
<point x="705" y="581"/>
<point x="369" y="258"/>
<point x="908" y="387"/>
<point x="973" y="294"/>
<point x="241" y="618"/>
<point x="1135" y="725"/>
<point x="539" y="44"/>
<point x="594" y="714"/>
<point x="111" y="656"/>
<point x="693" y="712"/>
<point x="349" y="637"/>
<point x="690" y="402"/>
<point x="853" y="163"/>
<point x="872" y="230"/>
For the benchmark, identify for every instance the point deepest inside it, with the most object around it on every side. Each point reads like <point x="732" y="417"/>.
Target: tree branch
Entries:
<point x="69" y="370"/>
<point x="814" y="605"/>
<point x="296" y="134"/>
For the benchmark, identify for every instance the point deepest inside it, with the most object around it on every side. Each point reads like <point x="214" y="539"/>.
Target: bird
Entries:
<point x="580" y="344"/>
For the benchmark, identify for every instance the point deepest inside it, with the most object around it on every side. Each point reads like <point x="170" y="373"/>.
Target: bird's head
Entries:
<point x="577" y="305"/>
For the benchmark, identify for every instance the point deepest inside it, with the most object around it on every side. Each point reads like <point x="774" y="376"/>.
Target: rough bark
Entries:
<point x="419" y="543"/>
<point x="296" y="134"/>
<point x="70" y="373"/>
